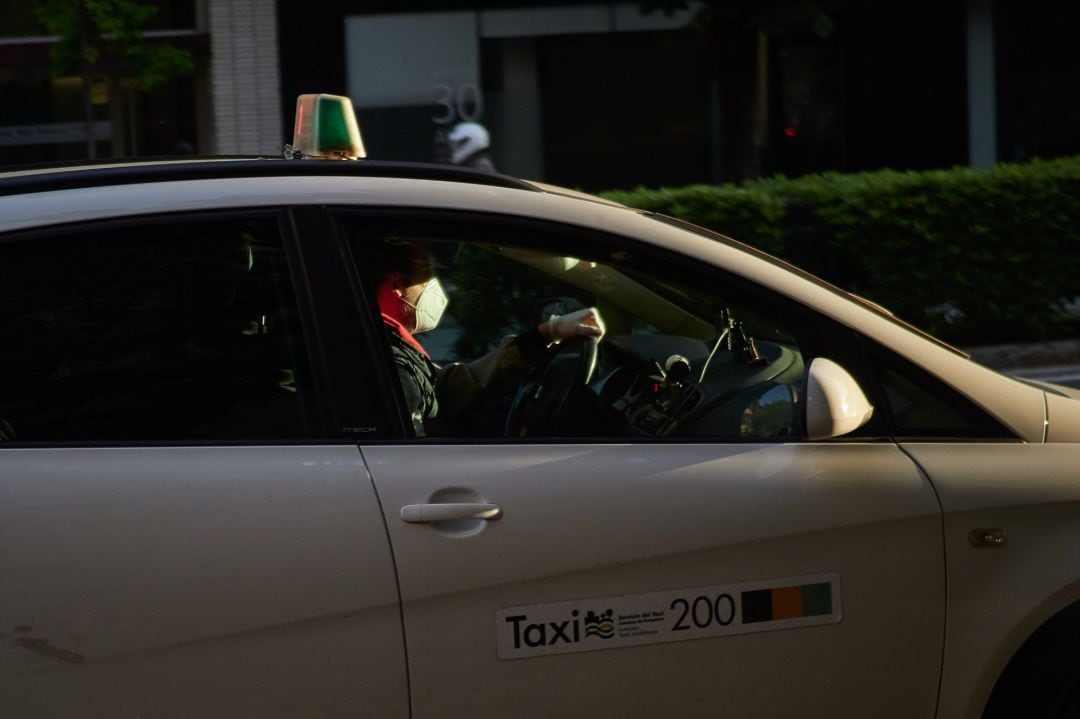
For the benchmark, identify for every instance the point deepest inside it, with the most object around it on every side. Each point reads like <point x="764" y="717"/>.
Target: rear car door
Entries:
<point x="181" y="534"/>
<point x="619" y="570"/>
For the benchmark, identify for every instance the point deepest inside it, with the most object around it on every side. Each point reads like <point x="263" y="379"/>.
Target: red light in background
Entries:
<point x="789" y="131"/>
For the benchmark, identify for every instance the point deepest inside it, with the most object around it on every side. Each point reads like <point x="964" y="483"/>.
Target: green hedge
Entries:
<point x="971" y="255"/>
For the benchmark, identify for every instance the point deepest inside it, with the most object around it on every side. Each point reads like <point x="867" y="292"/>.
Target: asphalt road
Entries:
<point x="1068" y="375"/>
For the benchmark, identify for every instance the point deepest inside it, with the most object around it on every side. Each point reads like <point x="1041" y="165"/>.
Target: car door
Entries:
<point x="695" y="575"/>
<point x="181" y="534"/>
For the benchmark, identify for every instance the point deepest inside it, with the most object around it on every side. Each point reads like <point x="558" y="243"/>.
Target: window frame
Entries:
<point x="359" y="411"/>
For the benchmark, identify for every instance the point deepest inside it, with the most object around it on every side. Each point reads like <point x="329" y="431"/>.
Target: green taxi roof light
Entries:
<point x="326" y="127"/>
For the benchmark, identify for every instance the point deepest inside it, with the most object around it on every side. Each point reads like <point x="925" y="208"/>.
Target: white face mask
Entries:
<point x="429" y="306"/>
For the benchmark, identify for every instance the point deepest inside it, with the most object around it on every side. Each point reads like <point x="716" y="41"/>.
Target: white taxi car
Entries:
<point x="754" y="496"/>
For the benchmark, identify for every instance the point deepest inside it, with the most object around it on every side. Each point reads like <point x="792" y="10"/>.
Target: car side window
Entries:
<point x="152" y="331"/>
<point x="468" y="316"/>
<point x="923" y="407"/>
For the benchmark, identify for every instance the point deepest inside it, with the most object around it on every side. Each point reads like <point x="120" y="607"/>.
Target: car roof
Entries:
<point x="60" y="176"/>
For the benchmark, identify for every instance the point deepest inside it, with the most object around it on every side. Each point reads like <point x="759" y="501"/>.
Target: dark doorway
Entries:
<point x="621" y="110"/>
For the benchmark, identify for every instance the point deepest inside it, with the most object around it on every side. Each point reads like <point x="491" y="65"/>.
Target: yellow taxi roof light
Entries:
<point x="326" y="127"/>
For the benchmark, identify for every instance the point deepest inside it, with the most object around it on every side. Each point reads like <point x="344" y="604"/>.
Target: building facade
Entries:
<point x="229" y="103"/>
<point x="588" y="94"/>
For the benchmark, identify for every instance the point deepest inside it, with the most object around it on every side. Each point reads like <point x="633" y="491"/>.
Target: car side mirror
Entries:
<point x="835" y="404"/>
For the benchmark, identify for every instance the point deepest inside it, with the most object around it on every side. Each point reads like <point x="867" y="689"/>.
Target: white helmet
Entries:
<point x="467" y="138"/>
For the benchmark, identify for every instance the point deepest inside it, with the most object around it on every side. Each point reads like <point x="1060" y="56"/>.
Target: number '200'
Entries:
<point x="704" y="612"/>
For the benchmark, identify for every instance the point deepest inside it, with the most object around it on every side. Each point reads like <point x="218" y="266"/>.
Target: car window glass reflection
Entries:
<point x="152" y="332"/>
<point x="491" y="339"/>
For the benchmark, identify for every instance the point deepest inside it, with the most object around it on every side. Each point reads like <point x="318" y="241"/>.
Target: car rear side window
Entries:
<point x="170" y="331"/>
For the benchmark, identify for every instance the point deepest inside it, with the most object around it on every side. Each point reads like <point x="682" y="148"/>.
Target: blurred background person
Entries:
<point x="470" y="146"/>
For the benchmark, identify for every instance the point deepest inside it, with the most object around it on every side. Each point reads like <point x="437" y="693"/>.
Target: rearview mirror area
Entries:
<point x="835" y="404"/>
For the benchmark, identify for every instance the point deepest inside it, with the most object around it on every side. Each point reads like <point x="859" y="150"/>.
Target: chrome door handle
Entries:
<point x="418" y="513"/>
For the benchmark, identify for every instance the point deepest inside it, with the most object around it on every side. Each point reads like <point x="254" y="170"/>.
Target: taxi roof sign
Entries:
<point x="326" y="128"/>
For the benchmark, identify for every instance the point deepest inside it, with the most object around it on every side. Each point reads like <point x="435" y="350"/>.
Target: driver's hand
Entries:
<point x="586" y="322"/>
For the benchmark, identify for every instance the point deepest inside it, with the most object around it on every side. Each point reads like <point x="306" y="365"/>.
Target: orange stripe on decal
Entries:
<point x="786" y="602"/>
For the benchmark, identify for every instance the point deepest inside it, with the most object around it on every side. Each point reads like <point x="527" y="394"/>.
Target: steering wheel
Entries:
<point x="550" y="389"/>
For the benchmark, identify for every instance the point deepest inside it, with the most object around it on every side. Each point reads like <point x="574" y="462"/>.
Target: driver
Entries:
<point x="411" y="301"/>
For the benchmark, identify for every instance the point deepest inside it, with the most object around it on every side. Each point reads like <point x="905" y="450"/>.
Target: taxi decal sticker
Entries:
<point x="669" y="616"/>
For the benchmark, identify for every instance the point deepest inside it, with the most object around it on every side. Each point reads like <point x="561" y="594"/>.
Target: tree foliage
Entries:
<point x="974" y="256"/>
<point x="106" y="37"/>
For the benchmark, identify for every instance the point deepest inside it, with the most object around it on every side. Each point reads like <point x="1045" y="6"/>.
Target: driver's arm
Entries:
<point x="457" y="386"/>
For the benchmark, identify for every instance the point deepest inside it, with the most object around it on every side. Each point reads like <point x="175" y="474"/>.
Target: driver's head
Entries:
<point x="407" y="291"/>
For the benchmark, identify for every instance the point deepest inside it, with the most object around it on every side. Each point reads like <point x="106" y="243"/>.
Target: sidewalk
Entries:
<point x="1057" y="361"/>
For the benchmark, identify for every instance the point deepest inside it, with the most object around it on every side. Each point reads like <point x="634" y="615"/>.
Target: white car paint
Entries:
<point x="999" y="596"/>
<point x="155" y="581"/>
<point x="835" y="404"/>
<point x="583" y="522"/>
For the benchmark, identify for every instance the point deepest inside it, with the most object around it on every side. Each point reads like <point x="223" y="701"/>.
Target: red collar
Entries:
<point x="404" y="334"/>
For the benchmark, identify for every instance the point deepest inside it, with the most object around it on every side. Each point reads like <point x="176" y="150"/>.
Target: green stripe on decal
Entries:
<point x="817" y="599"/>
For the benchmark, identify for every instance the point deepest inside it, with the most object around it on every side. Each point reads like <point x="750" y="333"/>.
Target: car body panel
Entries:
<point x="999" y="595"/>
<point x="1062" y="418"/>
<point x="595" y="522"/>
<point x="196" y="581"/>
